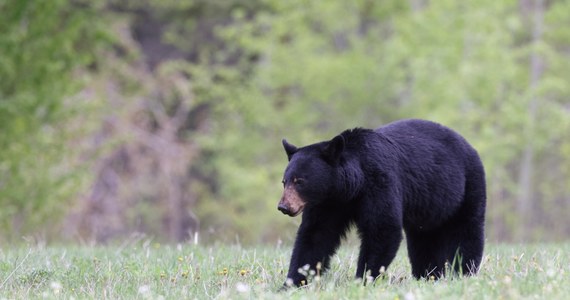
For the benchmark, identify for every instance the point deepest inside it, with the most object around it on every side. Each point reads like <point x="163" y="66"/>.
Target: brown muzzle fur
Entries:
<point x="291" y="203"/>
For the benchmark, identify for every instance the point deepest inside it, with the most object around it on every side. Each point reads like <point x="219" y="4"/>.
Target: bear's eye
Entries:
<point x="298" y="181"/>
<point x="283" y="181"/>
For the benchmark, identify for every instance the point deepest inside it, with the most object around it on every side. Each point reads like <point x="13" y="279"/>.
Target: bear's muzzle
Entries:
<point x="291" y="203"/>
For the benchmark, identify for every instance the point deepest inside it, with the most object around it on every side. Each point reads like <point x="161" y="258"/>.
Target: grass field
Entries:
<point x="149" y="270"/>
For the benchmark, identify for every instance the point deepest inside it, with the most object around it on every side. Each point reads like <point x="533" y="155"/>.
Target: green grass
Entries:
<point x="153" y="271"/>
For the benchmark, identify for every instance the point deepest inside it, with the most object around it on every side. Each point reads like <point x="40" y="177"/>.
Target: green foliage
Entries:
<point x="250" y="73"/>
<point x="465" y="65"/>
<point x="43" y="45"/>
<point x="301" y="86"/>
<point x="150" y="270"/>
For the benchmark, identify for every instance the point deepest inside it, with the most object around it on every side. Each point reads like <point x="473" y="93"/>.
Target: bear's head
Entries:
<point x="310" y="176"/>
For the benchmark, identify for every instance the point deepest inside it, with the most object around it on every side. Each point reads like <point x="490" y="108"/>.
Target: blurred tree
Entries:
<point x="469" y="69"/>
<point x="262" y="70"/>
<point x="549" y="110"/>
<point x="45" y="47"/>
<point x="526" y="188"/>
<point x="198" y="95"/>
<point x="462" y="64"/>
<point x="461" y="69"/>
<point x="182" y="73"/>
<point x="309" y="78"/>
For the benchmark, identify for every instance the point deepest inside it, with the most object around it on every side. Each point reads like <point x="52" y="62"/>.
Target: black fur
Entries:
<point x="413" y="176"/>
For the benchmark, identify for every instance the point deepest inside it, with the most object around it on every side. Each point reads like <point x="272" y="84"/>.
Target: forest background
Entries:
<point x="164" y="118"/>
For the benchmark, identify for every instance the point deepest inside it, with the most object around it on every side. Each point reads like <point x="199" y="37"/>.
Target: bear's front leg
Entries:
<point x="317" y="239"/>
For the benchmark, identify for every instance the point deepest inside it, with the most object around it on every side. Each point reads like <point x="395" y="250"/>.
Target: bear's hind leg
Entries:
<point x="465" y="243"/>
<point x="459" y="243"/>
<point x="425" y="250"/>
<point x="466" y="231"/>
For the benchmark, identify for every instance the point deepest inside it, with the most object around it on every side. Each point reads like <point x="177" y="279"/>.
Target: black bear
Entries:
<point x="414" y="175"/>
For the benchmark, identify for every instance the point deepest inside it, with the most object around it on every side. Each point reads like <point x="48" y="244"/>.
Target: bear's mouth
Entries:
<point x="296" y="213"/>
<point x="287" y="210"/>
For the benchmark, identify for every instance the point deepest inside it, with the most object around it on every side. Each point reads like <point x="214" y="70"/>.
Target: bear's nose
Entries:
<point x="283" y="208"/>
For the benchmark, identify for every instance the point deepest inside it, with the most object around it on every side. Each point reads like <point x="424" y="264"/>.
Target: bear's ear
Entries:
<point x="289" y="149"/>
<point x="333" y="149"/>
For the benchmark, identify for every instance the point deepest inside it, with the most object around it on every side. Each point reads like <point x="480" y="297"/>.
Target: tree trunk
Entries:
<point x="524" y="205"/>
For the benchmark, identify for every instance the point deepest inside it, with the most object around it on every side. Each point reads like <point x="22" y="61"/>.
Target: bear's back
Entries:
<point x="422" y="136"/>
<point x="434" y="162"/>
